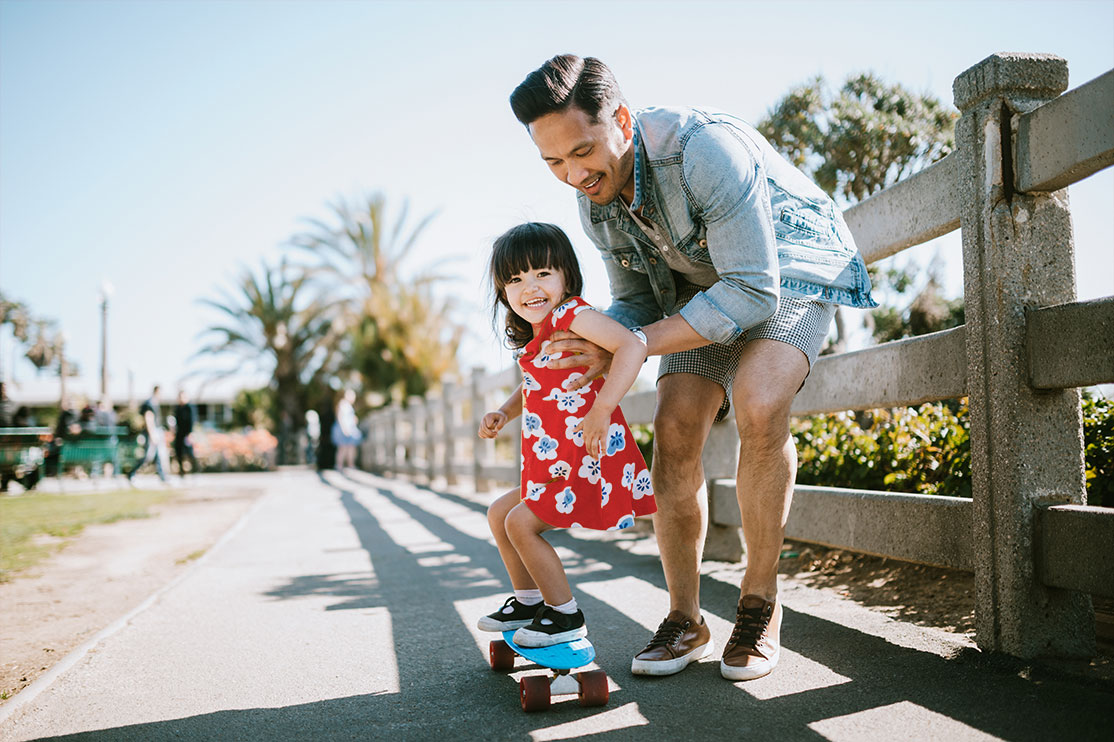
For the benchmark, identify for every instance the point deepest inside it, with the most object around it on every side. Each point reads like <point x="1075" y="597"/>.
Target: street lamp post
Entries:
<point x="105" y="293"/>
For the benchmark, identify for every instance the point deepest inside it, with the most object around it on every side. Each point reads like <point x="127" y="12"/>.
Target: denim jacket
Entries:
<point x="726" y="198"/>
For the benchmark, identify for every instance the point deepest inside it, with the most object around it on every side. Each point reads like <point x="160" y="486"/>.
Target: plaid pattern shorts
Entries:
<point x="802" y="323"/>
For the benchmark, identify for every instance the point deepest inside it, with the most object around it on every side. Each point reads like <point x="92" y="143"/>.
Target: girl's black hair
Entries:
<point x="529" y="246"/>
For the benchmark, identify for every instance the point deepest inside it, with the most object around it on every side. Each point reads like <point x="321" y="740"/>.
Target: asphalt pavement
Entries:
<point x="344" y="607"/>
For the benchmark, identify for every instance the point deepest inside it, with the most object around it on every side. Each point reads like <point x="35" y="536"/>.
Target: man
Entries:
<point x="731" y="262"/>
<point x="183" y="434"/>
<point x="156" y="438"/>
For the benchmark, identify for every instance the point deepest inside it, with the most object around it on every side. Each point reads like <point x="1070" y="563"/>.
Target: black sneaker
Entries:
<point x="513" y="615"/>
<point x="551" y="627"/>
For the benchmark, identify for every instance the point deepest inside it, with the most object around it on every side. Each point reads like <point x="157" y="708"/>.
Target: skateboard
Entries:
<point x="534" y="691"/>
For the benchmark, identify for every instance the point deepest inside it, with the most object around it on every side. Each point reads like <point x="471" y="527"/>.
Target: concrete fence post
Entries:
<point x="483" y="451"/>
<point x="393" y="421"/>
<point x="414" y="440"/>
<point x="430" y="407"/>
<point x="721" y="461"/>
<point x="1026" y="445"/>
<point x="448" y="429"/>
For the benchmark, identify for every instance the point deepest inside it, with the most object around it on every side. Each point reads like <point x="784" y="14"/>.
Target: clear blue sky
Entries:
<point x="164" y="145"/>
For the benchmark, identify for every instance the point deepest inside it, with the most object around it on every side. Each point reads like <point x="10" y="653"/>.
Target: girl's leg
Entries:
<point x="496" y="519"/>
<point x="524" y="529"/>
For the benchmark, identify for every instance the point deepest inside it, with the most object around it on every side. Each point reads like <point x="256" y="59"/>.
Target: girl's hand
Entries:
<point x="492" y="423"/>
<point x="594" y="427"/>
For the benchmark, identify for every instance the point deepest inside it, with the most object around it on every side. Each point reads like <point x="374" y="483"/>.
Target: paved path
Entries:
<point x="343" y="607"/>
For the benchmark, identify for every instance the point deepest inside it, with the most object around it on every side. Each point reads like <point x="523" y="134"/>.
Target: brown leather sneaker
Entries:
<point x="755" y="644"/>
<point x="678" y="641"/>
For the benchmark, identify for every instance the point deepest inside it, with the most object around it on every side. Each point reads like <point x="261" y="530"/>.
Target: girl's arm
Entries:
<point x="494" y="421"/>
<point x="629" y="354"/>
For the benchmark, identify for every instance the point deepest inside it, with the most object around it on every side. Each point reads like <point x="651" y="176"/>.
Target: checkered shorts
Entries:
<point x="802" y="323"/>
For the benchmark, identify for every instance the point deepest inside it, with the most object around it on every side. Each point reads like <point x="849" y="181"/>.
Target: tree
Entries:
<point x="271" y="324"/>
<point x="857" y="141"/>
<point x="43" y="341"/>
<point x="402" y="338"/>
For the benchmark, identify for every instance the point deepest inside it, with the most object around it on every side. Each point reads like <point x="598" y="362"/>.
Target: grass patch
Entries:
<point x="35" y="525"/>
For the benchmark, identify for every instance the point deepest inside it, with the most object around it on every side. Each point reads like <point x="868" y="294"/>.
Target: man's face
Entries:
<point x="595" y="158"/>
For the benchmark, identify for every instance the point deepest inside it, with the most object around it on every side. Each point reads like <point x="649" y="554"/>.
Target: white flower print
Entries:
<point x="529" y="384"/>
<point x="544" y="356"/>
<point x="559" y="312"/>
<point x="628" y="476"/>
<point x="545" y="448"/>
<point x="567" y="401"/>
<point x="616" y="439"/>
<point x="572" y="378"/>
<point x="605" y="492"/>
<point x="534" y="491"/>
<point x="625" y="522"/>
<point x="581" y="308"/>
<point x="560" y="470"/>
<point x="577" y="437"/>
<point x="642" y="485"/>
<point x="590" y="469"/>
<point x="566" y="499"/>
<point x="532" y="425"/>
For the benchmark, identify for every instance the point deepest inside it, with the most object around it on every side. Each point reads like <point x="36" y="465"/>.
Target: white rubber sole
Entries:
<point x="536" y="639"/>
<point x="487" y="623"/>
<point x="750" y="672"/>
<point x="675" y="665"/>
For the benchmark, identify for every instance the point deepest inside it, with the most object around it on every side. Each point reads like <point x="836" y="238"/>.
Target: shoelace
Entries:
<point x="668" y="633"/>
<point x="750" y="623"/>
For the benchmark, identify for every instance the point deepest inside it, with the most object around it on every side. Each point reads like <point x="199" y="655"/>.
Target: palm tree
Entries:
<point x="271" y="324"/>
<point x="403" y="339"/>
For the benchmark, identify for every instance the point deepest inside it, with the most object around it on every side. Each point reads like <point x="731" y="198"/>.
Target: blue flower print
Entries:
<point x="560" y="470"/>
<point x="574" y="376"/>
<point x="590" y="469"/>
<point x="576" y="437"/>
<point x="529" y="384"/>
<point x="544" y="356"/>
<point x="628" y="476"/>
<point x="532" y="425"/>
<point x="567" y="401"/>
<point x="565" y="501"/>
<point x="642" y="485"/>
<point x="605" y="492"/>
<point x="545" y="448"/>
<point x="616" y="439"/>
<point x="534" y="491"/>
<point x="625" y="522"/>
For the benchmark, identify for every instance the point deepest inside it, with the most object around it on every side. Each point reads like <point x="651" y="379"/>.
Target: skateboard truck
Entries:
<point x="535" y="691"/>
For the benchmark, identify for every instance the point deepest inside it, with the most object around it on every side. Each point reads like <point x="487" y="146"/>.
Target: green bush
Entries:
<point x="923" y="450"/>
<point x="1098" y="447"/>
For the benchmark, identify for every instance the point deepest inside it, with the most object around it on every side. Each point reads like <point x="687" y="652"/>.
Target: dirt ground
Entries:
<point x="103" y="574"/>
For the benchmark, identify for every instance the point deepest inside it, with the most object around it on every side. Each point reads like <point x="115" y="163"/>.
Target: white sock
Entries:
<point x="566" y="608"/>
<point x="528" y="597"/>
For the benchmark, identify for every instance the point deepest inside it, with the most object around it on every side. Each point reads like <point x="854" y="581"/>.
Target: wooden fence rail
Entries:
<point x="1027" y="534"/>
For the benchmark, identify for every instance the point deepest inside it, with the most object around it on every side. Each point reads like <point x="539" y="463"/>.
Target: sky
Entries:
<point x="166" y="146"/>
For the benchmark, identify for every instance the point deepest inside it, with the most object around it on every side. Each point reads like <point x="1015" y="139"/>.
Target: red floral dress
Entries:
<point x="561" y="483"/>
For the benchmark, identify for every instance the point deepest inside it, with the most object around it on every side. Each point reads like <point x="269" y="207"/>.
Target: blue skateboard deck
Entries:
<point x="567" y="656"/>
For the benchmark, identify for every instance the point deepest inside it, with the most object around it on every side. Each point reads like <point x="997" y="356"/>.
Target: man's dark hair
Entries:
<point x="564" y="81"/>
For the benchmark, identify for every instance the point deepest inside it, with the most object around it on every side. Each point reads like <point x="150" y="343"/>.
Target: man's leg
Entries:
<point x="770" y="373"/>
<point x="687" y="406"/>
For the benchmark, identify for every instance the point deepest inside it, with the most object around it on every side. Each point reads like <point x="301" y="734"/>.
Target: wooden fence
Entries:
<point x="1037" y="551"/>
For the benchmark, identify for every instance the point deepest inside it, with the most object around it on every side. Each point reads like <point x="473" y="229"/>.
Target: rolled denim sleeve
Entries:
<point x="728" y="186"/>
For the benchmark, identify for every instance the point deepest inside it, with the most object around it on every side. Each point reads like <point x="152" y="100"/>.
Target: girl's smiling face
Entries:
<point x="534" y="293"/>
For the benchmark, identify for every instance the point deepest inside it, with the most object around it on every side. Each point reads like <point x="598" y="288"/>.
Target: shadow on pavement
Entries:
<point x="447" y="691"/>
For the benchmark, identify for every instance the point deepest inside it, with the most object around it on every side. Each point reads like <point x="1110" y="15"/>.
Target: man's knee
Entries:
<point x="762" y="416"/>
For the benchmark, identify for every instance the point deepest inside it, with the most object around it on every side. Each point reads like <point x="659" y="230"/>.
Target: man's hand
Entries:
<point x="492" y="423"/>
<point x="577" y="352"/>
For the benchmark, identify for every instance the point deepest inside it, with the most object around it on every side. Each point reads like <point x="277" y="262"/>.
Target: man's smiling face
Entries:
<point x="595" y="158"/>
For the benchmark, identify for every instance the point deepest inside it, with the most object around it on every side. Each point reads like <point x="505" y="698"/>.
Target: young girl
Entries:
<point x="580" y="464"/>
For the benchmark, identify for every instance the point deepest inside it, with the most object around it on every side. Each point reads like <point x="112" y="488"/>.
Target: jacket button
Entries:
<point x="626" y="263"/>
<point x="653" y="261"/>
<point x="703" y="243"/>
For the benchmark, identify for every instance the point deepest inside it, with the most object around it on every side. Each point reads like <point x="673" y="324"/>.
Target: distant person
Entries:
<point x="731" y="261"/>
<point x="66" y="427"/>
<point x="346" y="433"/>
<point x="313" y="436"/>
<point x="183" y="434"/>
<point x="156" y="437"/>
<point x="23" y="417"/>
<point x="580" y="465"/>
<point x="106" y="415"/>
<point x="88" y="419"/>
<point x="6" y="408"/>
